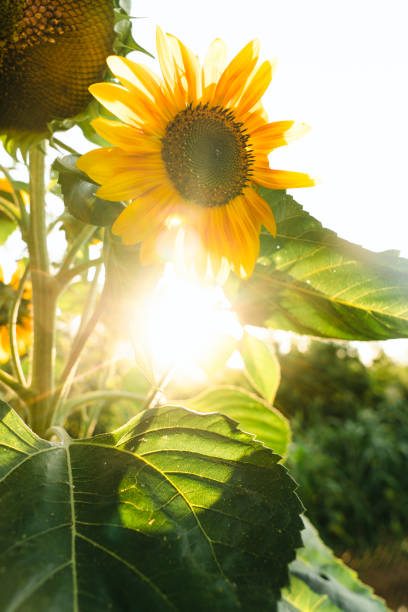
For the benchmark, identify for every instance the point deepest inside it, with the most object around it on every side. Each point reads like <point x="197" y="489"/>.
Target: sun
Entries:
<point x="184" y="325"/>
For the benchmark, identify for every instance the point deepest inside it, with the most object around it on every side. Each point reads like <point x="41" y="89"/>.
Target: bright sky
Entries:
<point x="343" y="69"/>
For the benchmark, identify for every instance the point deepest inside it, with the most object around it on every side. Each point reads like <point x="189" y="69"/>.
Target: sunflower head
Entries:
<point x="24" y="321"/>
<point x="50" y="52"/>
<point x="189" y="152"/>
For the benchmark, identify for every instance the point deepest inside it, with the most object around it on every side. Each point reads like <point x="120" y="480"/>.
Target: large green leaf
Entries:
<point x="251" y="413"/>
<point x="310" y="281"/>
<point x="320" y="581"/>
<point x="174" y="511"/>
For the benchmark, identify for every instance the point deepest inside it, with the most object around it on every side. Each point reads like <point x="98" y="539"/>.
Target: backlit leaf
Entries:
<point x="310" y="281"/>
<point x="251" y="413"/>
<point x="261" y="366"/>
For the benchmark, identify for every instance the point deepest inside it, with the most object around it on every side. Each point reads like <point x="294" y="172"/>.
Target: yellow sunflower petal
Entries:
<point x="143" y="216"/>
<point x="273" y="135"/>
<point x="249" y="235"/>
<point x="139" y="78"/>
<point x="281" y="179"/>
<point x="190" y="69"/>
<point x="134" y="110"/>
<point x="168" y="54"/>
<point x="102" y="164"/>
<point x="126" y="137"/>
<point x="116" y="99"/>
<point x="130" y="184"/>
<point x="256" y="87"/>
<point x="214" y="62"/>
<point x="237" y="240"/>
<point x="261" y="209"/>
<point x="234" y="78"/>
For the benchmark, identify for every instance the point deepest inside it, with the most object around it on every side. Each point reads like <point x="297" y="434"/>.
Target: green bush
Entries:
<point x="350" y="443"/>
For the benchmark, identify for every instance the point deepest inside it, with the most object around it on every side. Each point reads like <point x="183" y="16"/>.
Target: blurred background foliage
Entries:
<point x="349" y="454"/>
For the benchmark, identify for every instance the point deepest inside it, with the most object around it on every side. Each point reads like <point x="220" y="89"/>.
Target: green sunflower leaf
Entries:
<point x="261" y="366"/>
<point x="251" y="413"/>
<point x="320" y="581"/>
<point x="174" y="511"/>
<point x="79" y="190"/>
<point x="310" y="281"/>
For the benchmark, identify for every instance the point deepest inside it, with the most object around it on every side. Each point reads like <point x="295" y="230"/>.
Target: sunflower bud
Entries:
<point x="50" y="52"/>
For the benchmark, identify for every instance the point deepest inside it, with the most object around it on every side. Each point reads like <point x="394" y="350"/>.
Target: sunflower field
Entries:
<point x="144" y="438"/>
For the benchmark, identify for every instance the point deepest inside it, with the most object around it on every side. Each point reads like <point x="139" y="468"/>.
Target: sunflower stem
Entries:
<point x="66" y="277"/>
<point x="84" y="236"/>
<point x="44" y="296"/>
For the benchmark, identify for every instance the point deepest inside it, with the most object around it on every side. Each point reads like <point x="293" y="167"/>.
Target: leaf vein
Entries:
<point x="129" y="566"/>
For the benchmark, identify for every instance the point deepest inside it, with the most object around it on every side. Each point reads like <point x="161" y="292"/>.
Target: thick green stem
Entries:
<point x="44" y="295"/>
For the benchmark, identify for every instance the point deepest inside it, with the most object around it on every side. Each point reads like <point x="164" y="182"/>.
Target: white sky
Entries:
<point x="343" y="68"/>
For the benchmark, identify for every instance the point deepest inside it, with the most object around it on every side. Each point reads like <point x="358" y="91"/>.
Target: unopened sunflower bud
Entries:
<point x="50" y="52"/>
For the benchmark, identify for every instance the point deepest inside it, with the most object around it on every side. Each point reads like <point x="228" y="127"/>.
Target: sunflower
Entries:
<point x="50" y="52"/>
<point x="189" y="152"/>
<point x="24" y="321"/>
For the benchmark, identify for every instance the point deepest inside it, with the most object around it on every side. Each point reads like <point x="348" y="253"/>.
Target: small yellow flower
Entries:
<point x="189" y="153"/>
<point x="24" y="320"/>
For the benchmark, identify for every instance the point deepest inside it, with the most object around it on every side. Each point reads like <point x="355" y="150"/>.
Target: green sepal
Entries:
<point x="79" y="190"/>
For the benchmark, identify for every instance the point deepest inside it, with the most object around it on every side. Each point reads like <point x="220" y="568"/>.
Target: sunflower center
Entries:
<point x="206" y="155"/>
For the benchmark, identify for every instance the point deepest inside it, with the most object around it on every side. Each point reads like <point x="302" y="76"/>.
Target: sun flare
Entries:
<point x="186" y="324"/>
